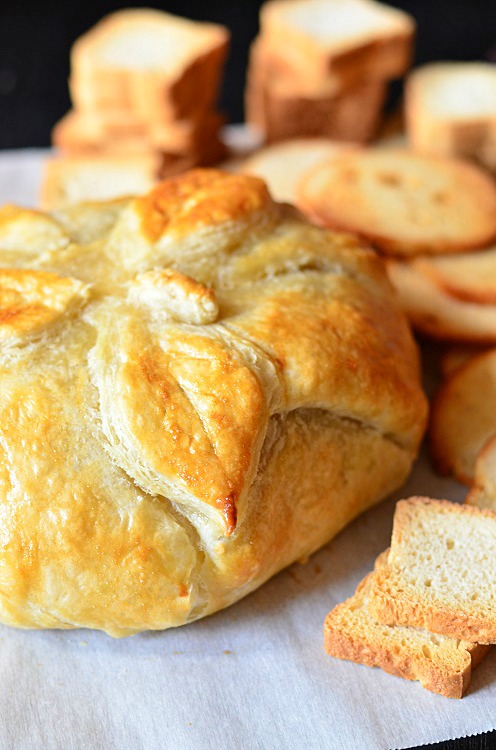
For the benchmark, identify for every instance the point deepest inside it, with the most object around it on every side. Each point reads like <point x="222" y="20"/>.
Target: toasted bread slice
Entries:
<point x="69" y="180"/>
<point x="282" y="109"/>
<point x="79" y="133"/>
<point x="148" y="61"/>
<point x="463" y="416"/>
<point x="468" y="276"/>
<point x="405" y="204"/>
<point x="441" y="664"/>
<point x="283" y="164"/>
<point x="347" y="41"/>
<point x="451" y="110"/>
<point x="483" y="491"/>
<point x="78" y="130"/>
<point x="437" y="314"/>
<point x="353" y="116"/>
<point x="440" y="570"/>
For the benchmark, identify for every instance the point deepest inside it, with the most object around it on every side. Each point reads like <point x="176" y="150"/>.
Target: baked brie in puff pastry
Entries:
<point x="198" y="388"/>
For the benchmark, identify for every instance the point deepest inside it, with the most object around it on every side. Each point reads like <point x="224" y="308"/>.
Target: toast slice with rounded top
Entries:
<point x="348" y="41"/>
<point x="440" y="571"/>
<point x="148" y="61"/>
<point x="403" y="203"/>
<point x="450" y="110"/>
<point x="441" y="664"/>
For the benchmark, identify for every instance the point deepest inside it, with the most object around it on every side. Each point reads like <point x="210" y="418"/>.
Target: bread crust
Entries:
<point x="278" y="391"/>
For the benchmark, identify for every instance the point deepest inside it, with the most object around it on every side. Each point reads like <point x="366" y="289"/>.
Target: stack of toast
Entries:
<point x="321" y="67"/>
<point x="427" y="611"/>
<point x="144" y="80"/>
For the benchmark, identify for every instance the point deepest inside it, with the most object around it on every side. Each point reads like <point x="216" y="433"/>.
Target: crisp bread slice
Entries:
<point x="441" y="570"/>
<point x="441" y="664"/>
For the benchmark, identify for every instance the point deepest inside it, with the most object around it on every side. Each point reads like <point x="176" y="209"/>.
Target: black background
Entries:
<point x="35" y="38"/>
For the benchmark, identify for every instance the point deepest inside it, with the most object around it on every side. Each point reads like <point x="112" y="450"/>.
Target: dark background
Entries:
<point x="35" y="38"/>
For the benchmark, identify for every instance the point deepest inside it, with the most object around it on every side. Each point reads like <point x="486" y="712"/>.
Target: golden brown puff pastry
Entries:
<point x="198" y="388"/>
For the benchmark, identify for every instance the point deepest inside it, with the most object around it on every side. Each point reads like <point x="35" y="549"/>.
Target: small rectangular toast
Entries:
<point x="351" y="117"/>
<point x="450" y="110"/>
<point x="348" y="41"/>
<point x="281" y="111"/>
<point x="69" y="180"/>
<point x="440" y="571"/>
<point x="148" y="61"/>
<point x="441" y="664"/>
<point x="80" y="131"/>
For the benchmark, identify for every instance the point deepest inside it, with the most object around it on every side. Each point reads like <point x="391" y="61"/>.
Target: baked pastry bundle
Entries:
<point x="199" y="387"/>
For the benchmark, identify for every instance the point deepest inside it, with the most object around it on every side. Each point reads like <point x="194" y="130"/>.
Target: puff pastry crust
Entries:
<point x="198" y="388"/>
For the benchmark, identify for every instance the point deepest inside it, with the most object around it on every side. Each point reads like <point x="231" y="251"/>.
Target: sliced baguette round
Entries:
<point x="463" y="416"/>
<point x="282" y="165"/>
<point x="403" y="203"/>
<point x="437" y="314"/>
<point x="467" y="276"/>
<point x="455" y="356"/>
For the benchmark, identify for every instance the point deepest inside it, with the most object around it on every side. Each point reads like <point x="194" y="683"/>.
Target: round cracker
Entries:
<point x="282" y="165"/>
<point x="405" y="204"/>
<point x="437" y="314"/>
<point x="468" y="276"/>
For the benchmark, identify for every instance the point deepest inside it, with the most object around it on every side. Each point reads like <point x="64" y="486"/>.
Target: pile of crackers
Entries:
<point x="322" y="69"/>
<point x="146" y="81"/>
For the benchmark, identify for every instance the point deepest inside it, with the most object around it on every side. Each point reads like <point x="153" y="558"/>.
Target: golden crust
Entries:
<point x="31" y="301"/>
<point x="204" y="197"/>
<point x="228" y="387"/>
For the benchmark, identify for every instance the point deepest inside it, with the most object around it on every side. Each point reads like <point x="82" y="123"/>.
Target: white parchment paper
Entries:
<point x="253" y="676"/>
